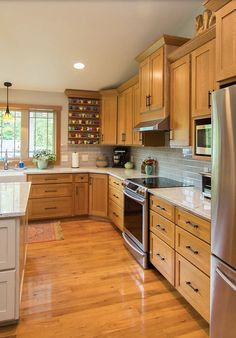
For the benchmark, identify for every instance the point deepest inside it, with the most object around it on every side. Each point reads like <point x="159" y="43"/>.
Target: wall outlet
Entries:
<point x="64" y="158"/>
<point x="84" y="157"/>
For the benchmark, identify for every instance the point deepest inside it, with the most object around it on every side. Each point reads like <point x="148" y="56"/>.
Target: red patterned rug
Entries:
<point x="44" y="232"/>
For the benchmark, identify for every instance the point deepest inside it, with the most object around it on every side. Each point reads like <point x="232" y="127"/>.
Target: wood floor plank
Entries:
<point x="89" y="286"/>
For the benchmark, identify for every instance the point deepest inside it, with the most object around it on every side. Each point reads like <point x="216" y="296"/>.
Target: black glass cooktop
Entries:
<point x="158" y="182"/>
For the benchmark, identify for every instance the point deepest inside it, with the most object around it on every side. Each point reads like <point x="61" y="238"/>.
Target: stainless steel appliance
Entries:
<point x="203" y="136"/>
<point x="206" y="184"/>
<point x="223" y="236"/>
<point x="135" y="232"/>
<point x="120" y="157"/>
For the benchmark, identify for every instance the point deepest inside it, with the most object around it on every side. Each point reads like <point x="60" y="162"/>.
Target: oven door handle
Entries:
<point x="132" y="246"/>
<point x="139" y="200"/>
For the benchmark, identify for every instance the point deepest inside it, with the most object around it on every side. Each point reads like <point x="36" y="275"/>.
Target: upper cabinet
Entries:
<point x="226" y="42"/>
<point x="137" y="136"/>
<point x="154" y="78"/>
<point x="125" y="117"/>
<point x="180" y="102"/>
<point x="109" y="116"/>
<point x="203" y="78"/>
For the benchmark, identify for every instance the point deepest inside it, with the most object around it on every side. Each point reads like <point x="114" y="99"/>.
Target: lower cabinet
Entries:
<point x="50" y="207"/>
<point x="194" y="285"/>
<point x="162" y="257"/>
<point x="98" y="195"/>
<point x="81" y="194"/>
<point x="180" y="250"/>
<point x="7" y="295"/>
<point x="116" y="202"/>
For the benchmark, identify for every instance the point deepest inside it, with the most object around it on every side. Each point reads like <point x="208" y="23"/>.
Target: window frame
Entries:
<point x="25" y="109"/>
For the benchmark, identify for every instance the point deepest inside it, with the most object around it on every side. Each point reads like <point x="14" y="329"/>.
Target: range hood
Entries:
<point x="154" y="125"/>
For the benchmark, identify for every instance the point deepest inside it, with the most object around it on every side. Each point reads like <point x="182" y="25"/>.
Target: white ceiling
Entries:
<point x="40" y="40"/>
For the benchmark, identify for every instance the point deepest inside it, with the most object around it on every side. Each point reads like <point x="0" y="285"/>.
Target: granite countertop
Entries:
<point x="188" y="198"/>
<point x="14" y="198"/>
<point x="120" y="173"/>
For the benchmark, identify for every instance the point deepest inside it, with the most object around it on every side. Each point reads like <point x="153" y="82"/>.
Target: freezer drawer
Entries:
<point x="223" y="300"/>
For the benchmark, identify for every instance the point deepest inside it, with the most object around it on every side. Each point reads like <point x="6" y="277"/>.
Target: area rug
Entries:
<point x="44" y="232"/>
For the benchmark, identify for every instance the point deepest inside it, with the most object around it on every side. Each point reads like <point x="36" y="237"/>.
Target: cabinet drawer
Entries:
<point x="50" y="207"/>
<point x="55" y="190"/>
<point x="162" y="257"/>
<point x="162" y="207"/>
<point x="194" y="285"/>
<point x="7" y="244"/>
<point x="194" y="249"/>
<point x="116" y="214"/>
<point x="83" y="178"/>
<point x="163" y="228"/>
<point x="116" y="196"/>
<point x="7" y="295"/>
<point x="194" y="224"/>
<point x="50" y="178"/>
<point x="115" y="182"/>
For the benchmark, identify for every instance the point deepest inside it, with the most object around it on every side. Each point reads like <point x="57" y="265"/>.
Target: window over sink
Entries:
<point x="29" y="130"/>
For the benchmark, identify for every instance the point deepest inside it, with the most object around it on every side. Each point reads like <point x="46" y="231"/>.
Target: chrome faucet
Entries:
<point x="6" y="161"/>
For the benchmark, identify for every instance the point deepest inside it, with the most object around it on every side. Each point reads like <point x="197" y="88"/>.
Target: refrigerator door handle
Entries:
<point x="226" y="279"/>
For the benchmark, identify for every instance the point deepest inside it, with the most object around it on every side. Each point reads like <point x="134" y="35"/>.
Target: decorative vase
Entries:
<point x="42" y="164"/>
<point x="148" y="169"/>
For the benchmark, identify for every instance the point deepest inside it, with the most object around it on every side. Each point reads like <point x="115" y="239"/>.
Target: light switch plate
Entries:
<point x="84" y="157"/>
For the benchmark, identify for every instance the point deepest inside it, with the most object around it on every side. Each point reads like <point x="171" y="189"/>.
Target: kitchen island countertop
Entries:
<point x="14" y="198"/>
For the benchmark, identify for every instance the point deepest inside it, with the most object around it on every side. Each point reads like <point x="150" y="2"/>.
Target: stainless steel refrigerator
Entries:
<point x="223" y="233"/>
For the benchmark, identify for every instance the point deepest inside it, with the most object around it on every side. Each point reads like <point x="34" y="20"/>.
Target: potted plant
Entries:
<point x="43" y="157"/>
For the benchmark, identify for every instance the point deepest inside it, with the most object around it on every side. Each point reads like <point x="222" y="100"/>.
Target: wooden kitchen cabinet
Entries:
<point x="203" y="78"/>
<point x="109" y="117"/>
<point x="81" y="198"/>
<point x="180" y="102"/>
<point x="98" y="195"/>
<point x="226" y="42"/>
<point x="125" y="117"/>
<point x="154" y="77"/>
<point x="137" y="136"/>
<point x="116" y="202"/>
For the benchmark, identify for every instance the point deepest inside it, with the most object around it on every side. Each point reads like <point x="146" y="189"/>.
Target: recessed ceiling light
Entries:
<point x="79" y="65"/>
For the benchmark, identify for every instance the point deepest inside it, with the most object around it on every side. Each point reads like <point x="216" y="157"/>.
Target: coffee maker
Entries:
<point x="120" y="157"/>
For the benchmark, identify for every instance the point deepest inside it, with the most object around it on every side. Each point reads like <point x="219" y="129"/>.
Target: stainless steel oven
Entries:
<point x="136" y="225"/>
<point x="203" y="136"/>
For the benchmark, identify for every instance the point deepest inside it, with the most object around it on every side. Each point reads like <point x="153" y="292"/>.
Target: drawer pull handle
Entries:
<point x="191" y="249"/>
<point x="115" y="183"/>
<point x="158" y="226"/>
<point x="50" y="190"/>
<point x="115" y="196"/>
<point x="192" y="224"/>
<point x="161" y="258"/>
<point x="50" y="179"/>
<point x="115" y="214"/>
<point x="190" y="285"/>
<point x="161" y="208"/>
<point x="50" y="208"/>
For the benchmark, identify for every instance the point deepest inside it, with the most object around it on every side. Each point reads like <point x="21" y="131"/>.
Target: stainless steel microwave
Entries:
<point x="203" y="141"/>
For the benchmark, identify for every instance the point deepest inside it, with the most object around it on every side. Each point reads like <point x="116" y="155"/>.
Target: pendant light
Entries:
<point x="7" y="115"/>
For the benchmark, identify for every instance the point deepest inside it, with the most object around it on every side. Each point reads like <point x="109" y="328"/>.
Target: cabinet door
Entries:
<point x="7" y="244"/>
<point x="81" y="199"/>
<point x="137" y="136"/>
<point x="156" y="79"/>
<point x="129" y="116"/>
<point x="7" y="295"/>
<point x="121" y="119"/>
<point x="98" y="195"/>
<point x="109" y="119"/>
<point x="203" y="78"/>
<point x="180" y="102"/>
<point x="144" y="82"/>
<point x="226" y="42"/>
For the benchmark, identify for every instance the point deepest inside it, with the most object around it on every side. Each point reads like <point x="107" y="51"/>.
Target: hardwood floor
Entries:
<point x="88" y="286"/>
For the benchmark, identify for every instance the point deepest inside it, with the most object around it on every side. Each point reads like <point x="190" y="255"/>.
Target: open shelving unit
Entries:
<point x="83" y="117"/>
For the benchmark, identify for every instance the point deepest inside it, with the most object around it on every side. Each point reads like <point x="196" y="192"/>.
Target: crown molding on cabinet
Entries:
<point x="214" y="5"/>
<point x="193" y="44"/>
<point x="131" y="82"/>
<point x="164" y="40"/>
<point x="87" y="94"/>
